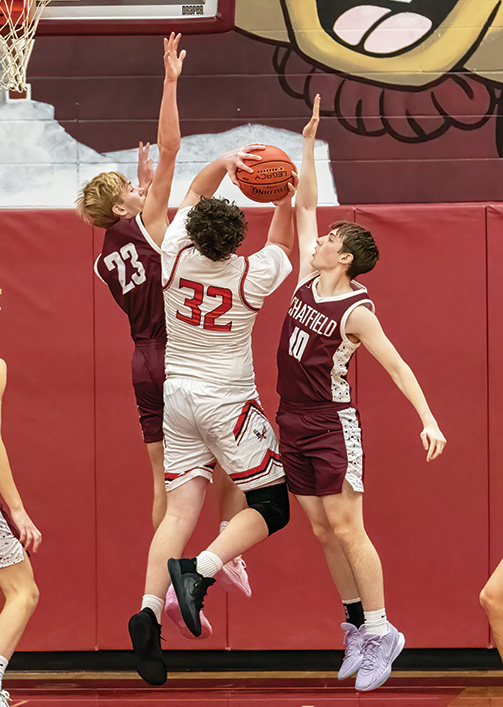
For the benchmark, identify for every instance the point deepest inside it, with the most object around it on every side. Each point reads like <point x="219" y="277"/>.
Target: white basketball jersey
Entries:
<point x="211" y="306"/>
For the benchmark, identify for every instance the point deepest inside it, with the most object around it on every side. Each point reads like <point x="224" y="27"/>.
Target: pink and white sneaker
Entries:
<point x="233" y="575"/>
<point x="172" y="609"/>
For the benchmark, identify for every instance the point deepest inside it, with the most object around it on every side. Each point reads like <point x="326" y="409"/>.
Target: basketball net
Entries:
<point x="18" y="23"/>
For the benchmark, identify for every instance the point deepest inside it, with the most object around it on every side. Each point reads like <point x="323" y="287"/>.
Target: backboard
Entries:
<point x="137" y="16"/>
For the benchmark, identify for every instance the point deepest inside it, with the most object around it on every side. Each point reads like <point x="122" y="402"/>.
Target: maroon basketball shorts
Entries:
<point x="148" y="381"/>
<point x="320" y="447"/>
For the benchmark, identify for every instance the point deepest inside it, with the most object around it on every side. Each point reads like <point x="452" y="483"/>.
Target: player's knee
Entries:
<point x="32" y="597"/>
<point x="273" y="505"/>
<point x="323" y="533"/>
<point x="491" y="598"/>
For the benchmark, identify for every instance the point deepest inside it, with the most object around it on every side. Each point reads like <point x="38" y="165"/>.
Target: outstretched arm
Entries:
<point x="307" y="195"/>
<point x="209" y="178"/>
<point x="30" y="535"/>
<point x="365" y="326"/>
<point x="155" y="210"/>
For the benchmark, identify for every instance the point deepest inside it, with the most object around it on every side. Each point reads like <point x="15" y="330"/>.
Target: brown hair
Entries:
<point x="97" y="198"/>
<point x="360" y="243"/>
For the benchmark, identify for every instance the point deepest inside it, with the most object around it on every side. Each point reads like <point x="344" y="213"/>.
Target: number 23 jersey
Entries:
<point x="314" y="350"/>
<point x="130" y="265"/>
<point x="211" y="306"/>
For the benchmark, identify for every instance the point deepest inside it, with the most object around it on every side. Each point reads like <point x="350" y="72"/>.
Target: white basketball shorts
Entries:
<point x="11" y="550"/>
<point x="205" y="423"/>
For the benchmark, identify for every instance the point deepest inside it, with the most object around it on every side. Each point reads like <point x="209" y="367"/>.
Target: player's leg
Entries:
<point x="148" y="380"/>
<point x="344" y="512"/>
<point x="156" y="455"/>
<point x="21" y="597"/>
<point x="231" y="500"/>
<point x="382" y="642"/>
<point x="241" y="438"/>
<point x="184" y="506"/>
<point x="342" y="576"/>
<point x="267" y="513"/>
<point x="491" y="598"/>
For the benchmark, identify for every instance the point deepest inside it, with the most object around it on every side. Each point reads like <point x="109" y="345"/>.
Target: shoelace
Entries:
<point x="5" y="695"/>
<point x="350" y="641"/>
<point x="369" y="650"/>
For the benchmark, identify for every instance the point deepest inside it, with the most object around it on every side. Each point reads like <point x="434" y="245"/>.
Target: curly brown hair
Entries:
<point x="216" y="227"/>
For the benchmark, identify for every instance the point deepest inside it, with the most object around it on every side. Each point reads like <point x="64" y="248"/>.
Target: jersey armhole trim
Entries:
<point x="96" y="268"/>
<point x="242" y="287"/>
<point x="308" y="278"/>
<point x="342" y="327"/>
<point x="146" y="235"/>
<point x="174" y="267"/>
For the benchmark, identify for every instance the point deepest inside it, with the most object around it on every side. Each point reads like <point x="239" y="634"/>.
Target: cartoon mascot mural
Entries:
<point x="429" y="66"/>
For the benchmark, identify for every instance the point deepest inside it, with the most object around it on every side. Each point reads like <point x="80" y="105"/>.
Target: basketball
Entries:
<point x="270" y="177"/>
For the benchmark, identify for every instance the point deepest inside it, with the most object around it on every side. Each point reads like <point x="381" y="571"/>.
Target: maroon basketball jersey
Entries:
<point x="130" y="264"/>
<point x="314" y="351"/>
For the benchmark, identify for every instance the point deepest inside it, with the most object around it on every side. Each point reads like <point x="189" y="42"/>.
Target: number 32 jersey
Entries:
<point x="314" y="350"/>
<point x="130" y="264"/>
<point x="211" y="306"/>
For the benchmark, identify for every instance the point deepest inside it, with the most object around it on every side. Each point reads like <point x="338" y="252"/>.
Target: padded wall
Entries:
<point x="495" y="297"/>
<point x="430" y="521"/>
<point x="48" y="414"/>
<point x="71" y="429"/>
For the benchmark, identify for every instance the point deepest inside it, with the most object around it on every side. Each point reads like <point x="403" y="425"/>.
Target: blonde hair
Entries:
<point x="97" y="198"/>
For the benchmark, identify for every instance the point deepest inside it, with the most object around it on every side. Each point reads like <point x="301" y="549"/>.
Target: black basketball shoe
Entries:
<point x="145" y="635"/>
<point x="190" y="588"/>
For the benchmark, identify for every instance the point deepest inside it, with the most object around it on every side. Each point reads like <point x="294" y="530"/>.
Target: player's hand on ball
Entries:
<point x="172" y="60"/>
<point x="433" y="441"/>
<point x="311" y="128"/>
<point x="292" y="189"/>
<point x="234" y="160"/>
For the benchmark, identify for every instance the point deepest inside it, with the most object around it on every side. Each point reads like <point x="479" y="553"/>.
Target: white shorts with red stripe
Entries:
<point x="205" y="423"/>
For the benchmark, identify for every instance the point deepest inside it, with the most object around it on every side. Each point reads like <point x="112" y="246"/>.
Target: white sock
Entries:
<point x="208" y="564"/>
<point x="223" y="525"/>
<point x="376" y="622"/>
<point x="149" y="601"/>
<point x="3" y="664"/>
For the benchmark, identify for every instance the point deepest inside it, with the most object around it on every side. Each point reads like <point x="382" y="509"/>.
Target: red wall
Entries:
<point x="71" y="429"/>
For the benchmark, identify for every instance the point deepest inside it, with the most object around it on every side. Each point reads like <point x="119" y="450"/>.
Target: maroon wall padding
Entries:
<point x="430" y="521"/>
<point x="48" y="413"/>
<point x="71" y="429"/>
<point x="495" y="387"/>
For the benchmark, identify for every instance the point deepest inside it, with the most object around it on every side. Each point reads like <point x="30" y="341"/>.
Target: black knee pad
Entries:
<point x="273" y="505"/>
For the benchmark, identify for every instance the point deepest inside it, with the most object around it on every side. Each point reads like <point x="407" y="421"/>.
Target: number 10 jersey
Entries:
<point x="314" y="350"/>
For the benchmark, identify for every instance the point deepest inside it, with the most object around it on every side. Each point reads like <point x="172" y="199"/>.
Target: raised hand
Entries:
<point x="172" y="60"/>
<point x="145" y="166"/>
<point x="311" y="128"/>
<point x="234" y="160"/>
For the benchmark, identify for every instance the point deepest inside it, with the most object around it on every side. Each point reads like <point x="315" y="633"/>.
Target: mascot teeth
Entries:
<point x="380" y="31"/>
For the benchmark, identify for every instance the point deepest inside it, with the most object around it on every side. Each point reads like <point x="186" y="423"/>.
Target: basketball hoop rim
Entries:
<point x="222" y="22"/>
